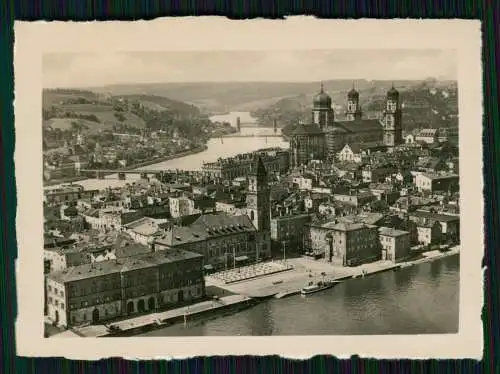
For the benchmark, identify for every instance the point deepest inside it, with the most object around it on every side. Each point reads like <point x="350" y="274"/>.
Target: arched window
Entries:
<point x="252" y="215"/>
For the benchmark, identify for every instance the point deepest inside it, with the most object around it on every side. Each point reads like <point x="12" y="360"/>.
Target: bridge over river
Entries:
<point x="142" y="173"/>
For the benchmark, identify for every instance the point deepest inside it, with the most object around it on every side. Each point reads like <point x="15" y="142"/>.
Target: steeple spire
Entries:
<point x="322" y="90"/>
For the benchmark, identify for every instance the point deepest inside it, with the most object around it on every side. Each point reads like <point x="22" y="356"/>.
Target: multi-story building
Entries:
<point x="325" y="137"/>
<point x="276" y="160"/>
<point x="68" y="194"/>
<point x="429" y="233"/>
<point x="437" y="182"/>
<point x="345" y="244"/>
<point x="97" y="292"/>
<point x="224" y="240"/>
<point x="181" y="206"/>
<point x="395" y="244"/>
<point x="450" y="224"/>
<point x="287" y="232"/>
<point x="354" y="197"/>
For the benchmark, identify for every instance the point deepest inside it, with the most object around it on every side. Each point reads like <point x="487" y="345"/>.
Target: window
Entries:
<point x="49" y="288"/>
<point x="56" y="302"/>
<point x="50" y="300"/>
<point x="62" y="305"/>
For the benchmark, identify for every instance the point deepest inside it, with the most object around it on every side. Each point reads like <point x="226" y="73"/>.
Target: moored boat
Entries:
<point x="312" y="287"/>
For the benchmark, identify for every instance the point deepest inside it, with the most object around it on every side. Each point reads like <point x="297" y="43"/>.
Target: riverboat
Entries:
<point x="312" y="287"/>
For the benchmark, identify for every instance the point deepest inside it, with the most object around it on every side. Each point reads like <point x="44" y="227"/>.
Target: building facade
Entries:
<point x="345" y="244"/>
<point x="393" y="130"/>
<point x="287" y="232"/>
<point x="324" y="137"/>
<point x="395" y="244"/>
<point x="276" y="160"/>
<point x="95" y="293"/>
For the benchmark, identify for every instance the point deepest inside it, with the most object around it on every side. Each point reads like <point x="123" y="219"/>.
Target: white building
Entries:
<point x="181" y="206"/>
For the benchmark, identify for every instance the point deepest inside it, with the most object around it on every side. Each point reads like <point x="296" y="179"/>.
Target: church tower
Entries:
<point x="322" y="112"/>
<point x="259" y="207"/>
<point x="393" y="130"/>
<point x="259" y="196"/>
<point x="353" y="107"/>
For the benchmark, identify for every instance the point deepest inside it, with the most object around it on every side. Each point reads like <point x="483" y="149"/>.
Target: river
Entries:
<point x="215" y="148"/>
<point x="421" y="299"/>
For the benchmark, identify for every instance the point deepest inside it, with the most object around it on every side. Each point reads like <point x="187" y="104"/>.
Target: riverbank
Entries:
<point x="246" y="294"/>
<point x="304" y="270"/>
<point x="144" y="323"/>
<point x="131" y="167"/>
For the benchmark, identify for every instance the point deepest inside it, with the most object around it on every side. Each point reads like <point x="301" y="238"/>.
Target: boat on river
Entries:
<point x="312" y="287"/>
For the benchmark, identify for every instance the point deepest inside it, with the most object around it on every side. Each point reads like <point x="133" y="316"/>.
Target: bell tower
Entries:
<point x="322" y="112"/>
<point x="393" y="130"/>
<point x="259" y="196"/>
<point x="259" y="207"/>
<point x="353" y="107"/>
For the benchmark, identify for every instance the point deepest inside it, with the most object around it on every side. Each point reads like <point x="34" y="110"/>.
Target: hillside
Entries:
<point x="235" y="96"/>
<point x="425" y="104"/>
<point x="67" y="108"/>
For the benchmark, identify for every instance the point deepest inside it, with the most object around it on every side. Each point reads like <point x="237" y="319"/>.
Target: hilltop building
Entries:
<point x="324" y="137"/>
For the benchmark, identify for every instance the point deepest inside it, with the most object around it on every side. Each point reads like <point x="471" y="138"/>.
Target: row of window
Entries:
<point x="95" y="301"/>
<point x="56" y="291"/>
<point x="55" y="302"/>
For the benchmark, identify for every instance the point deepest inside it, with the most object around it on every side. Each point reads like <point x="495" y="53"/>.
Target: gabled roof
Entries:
<point x="360" y="125"/>
<point x="387" y="231"/>
<point x="435" y="216"/>
<point x="311" y="129"/>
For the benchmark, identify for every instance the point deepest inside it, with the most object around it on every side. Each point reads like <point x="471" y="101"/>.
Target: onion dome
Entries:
<point x="353" y="94"/>
<point x="392" y="93"/>
<point x="322" y="99"/>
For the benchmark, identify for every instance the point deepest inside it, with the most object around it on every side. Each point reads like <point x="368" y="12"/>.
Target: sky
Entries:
<point x="88" y="70"/>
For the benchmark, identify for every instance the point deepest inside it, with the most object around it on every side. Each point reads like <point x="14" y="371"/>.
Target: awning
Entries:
<point x="241" y="258"/>
<point x="208" y="267"/>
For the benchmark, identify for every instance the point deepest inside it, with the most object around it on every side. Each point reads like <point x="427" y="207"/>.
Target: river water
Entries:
<point x="421" y="299"/>
<point x="216" y="148"/>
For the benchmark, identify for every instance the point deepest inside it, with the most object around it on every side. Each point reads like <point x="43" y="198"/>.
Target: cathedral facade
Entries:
<point x="324" y="136"/>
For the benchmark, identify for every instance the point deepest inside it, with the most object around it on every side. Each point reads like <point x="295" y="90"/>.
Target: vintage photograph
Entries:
<point x="251" y="193"/>
<point x="249" y="188"/>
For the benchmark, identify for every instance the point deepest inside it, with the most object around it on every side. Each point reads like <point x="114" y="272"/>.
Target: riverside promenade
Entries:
<point x="303" y="270"/>
<point x="284" y="278"/>
<point x="138" y="324"/>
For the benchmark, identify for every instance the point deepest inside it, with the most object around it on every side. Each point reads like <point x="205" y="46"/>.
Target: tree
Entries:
<point x="379" y="206"/>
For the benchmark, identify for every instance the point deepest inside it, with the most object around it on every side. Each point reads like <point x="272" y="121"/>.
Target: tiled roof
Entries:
<point x="140" y="261"/>
<point x="360" y="125"/>
<point x="364" y="218"/>
<point x="435" y="216"/>
<point x="311" y="129"/>
<point x="207" y="226"/>
<point x="387" y="231"/>
<point x="346" y="226"/>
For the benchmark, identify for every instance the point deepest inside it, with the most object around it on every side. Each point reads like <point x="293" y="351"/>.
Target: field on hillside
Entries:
<point x="51" y="97"/>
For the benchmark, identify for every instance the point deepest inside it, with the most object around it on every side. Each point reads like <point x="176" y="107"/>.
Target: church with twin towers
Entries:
<point x="324" y="136"/>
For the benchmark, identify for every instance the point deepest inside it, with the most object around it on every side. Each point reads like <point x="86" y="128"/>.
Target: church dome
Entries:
<point x="392" y="93"/>
<point x="353" y="94"/>
<point x="322" y="99"/>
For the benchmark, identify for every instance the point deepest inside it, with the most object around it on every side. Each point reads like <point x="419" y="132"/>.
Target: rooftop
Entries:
<point x="359" y="125"/>
<point x="311" y="129"/>
<point x="102" y="268"/>
<point x="205" y="227"/>
<point x="387" y="231"/>
<point x="435" y="216"/>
